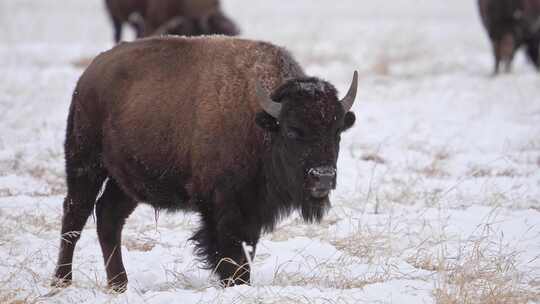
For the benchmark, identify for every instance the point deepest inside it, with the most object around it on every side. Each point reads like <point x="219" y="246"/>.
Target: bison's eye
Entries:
<point x="294" y="133"/>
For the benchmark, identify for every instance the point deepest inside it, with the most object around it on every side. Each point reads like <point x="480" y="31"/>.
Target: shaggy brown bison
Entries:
<point x="130" y="11"/>
<point x="187" y="18"/>
<point x="511" y="24"/>
<point x="191" y="126"/>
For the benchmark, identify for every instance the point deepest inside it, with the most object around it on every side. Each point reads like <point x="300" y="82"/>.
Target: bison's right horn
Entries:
<point x="348" y="100"/>
<point x="269" y="106"/>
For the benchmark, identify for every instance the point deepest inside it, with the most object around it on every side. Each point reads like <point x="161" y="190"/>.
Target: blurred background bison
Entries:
<point x="170" y="17"/>
<point x="126" y="11"/>
<point x="511" y="24"/>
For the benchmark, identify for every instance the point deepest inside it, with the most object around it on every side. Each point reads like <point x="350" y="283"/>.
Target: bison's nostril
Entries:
<point x="324" y="171"/>
<point x="323" y="177"/>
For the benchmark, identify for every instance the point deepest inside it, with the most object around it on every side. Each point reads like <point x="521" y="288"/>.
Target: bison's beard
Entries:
<point x="313" y="210"/>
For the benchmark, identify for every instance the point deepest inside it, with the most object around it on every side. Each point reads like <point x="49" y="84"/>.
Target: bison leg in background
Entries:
<point x="507" y="50"/>
<point x="508" y="65"/>
<point x="117" y="25"/>
<point x="533" y="52"/>
<point x="85" y="175"/>
<point x="497" y="58"/>
<point x="219" y="241"/>
<point x="112" y="210"/>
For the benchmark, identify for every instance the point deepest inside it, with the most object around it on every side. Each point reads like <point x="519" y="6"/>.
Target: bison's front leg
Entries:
<point x="232" y="231"/>
<point x="219" y="242"/>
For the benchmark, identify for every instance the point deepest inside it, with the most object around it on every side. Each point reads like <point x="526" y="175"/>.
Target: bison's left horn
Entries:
<point x="348" y="100"/>
<point x="269" y="106"/>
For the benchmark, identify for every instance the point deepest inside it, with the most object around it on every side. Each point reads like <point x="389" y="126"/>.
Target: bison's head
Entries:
<point x="306" y="119"/>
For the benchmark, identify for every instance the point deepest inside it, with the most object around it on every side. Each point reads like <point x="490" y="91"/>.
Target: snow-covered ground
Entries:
<point x="439" y="181"/>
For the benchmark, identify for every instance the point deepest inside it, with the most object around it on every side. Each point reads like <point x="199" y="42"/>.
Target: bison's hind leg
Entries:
<point x="533" y="52"/>
<point x="496" y="58"/>
<point x="112" y="210"/>
<point x="85" y="177"/>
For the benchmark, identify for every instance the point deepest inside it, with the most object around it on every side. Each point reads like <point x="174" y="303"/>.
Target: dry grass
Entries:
<point x="492" y="172"/>
<point x="483" y="270"/>
<point x="366" y="243"/>
<point x="484" y="276"/>
<point x="373" y="157"/>
<point x="139" y="244"/>
<point x="383" y="63"/>
<point x="82" y="63"/>
<point x="433" y="170"/>
<point x="332" y="273"/>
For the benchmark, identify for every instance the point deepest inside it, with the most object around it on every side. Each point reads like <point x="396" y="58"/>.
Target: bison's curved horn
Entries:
<point x="269" y="106"/>
<point x="348" y="100"/>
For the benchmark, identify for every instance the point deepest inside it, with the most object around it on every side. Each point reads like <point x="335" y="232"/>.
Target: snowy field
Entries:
<point x="438" y="197"/>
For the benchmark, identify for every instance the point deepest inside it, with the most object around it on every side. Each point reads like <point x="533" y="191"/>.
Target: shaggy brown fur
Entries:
<point x="177" y="123"/>
<point x="122" y="11"/>
<point x="511" y="24"/>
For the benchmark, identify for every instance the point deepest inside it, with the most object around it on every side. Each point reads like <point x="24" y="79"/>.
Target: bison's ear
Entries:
<point x="348" y="120"/>
<point x="267" y="122"/>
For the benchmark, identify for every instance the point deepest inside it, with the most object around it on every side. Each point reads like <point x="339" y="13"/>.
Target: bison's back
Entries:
<point x="497" y="13"/>
<point x="482" y="8"/>
<point x="184" y="106"/>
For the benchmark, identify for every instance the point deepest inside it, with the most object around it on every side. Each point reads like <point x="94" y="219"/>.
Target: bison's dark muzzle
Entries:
<point x="321" y="180"/>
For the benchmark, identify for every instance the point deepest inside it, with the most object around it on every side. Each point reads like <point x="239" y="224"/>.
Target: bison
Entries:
<point x="511" y="24"/>
<point x="187" y="18"/>
<point x="175" y="17"/>
<point x="229" y="128"/>
<point x="130" y="11"/>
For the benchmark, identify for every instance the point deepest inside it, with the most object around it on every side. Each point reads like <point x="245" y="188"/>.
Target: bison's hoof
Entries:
<point x="62" y="282"/>
<point x="118" y="286"/>
<point x="233" y="282"/>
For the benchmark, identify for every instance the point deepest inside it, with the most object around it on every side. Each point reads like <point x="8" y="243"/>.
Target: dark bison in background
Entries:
<point x="174" y="17"/>
<point x="187" y="18"/>
<point x="126" y="11"/>
<point x="511" y="24"/>
<point x="232" y="129"/>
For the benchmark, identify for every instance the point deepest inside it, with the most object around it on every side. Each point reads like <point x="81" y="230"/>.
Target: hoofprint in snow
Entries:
<point x="439" y="180"/>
